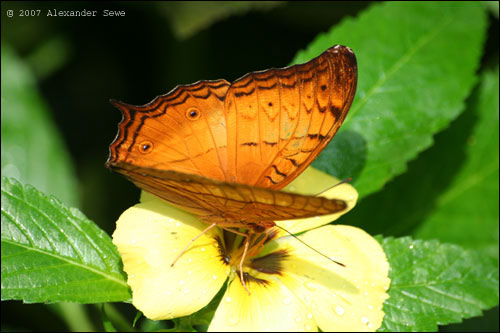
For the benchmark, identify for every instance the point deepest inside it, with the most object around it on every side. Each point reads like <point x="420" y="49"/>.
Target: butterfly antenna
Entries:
<point x="340" y="183"/>
<point x="309" y="246"/>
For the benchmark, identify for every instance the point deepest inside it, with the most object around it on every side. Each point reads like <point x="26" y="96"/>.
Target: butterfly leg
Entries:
<point x="191" y="242"/>
<point x="243" y="256"/>
<point x="247" y="243"/>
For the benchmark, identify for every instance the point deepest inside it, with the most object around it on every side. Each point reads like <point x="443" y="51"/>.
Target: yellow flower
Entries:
<point x="292" y="288"/>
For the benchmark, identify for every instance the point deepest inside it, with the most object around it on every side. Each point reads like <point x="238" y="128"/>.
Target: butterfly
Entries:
<point x="223" y="151"/>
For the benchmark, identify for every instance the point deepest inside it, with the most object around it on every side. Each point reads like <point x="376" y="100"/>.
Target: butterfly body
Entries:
<point x="224" y="150"/>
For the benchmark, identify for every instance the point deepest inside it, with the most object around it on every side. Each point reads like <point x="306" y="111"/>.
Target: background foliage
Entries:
<point x="421" y="143"/>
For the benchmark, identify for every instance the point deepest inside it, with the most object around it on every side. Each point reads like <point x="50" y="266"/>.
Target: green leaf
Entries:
<point x="51" y="253"/>
<point x="74" y="315"/>
<point x="32" y="150"/>
<point x="119" y="321"/>
<point x="138" y="315"/>
<point x="467" y="212"/>
<point x="416" y="64"/>
<point x="492" y="6"/>
<point x="106" y="323"/>
<point x="189" y="17"/>
<point x="450" y="192"/>
<point x="436" y="284"/>
<point x="50" y="56"/>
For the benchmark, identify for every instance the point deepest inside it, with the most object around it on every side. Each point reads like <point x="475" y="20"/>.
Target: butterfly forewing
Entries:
<point x="183" y="130"/>
<point x="279" y="120"/>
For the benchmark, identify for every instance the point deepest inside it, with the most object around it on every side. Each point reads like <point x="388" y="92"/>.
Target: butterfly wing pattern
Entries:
<point x="181" y="131"/>
<point x="279" y="120"/>
<point x="222" y="151"/>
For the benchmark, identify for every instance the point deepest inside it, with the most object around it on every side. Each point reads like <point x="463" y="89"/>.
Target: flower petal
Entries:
<point x="149" y="236"/>
<point x="270" y="307"/>
<point x="311" y="182"/>
<point x="346" y="298"/>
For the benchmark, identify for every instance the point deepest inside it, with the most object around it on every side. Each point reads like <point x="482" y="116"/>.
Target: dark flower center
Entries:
<point x="231" y="248"/>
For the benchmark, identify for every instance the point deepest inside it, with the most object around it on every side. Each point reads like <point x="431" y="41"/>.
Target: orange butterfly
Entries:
<point x="223" y="151"/>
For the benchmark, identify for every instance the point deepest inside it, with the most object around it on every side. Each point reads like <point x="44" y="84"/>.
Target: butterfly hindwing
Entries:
<point x="229" y="204"/>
